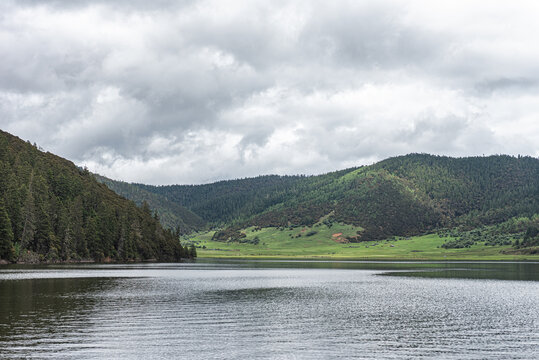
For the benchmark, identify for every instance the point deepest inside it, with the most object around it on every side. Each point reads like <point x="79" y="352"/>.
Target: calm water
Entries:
<point x="271" y="310"/>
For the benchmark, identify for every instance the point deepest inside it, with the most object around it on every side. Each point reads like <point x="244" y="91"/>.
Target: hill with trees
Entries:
<point x="171" y="214"/>
<point x="50" y="210"/>
<point x="400" y="196"/>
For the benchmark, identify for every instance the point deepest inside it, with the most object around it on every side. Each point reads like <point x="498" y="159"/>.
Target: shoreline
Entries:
<point x="76" y="262"/>
<point x="367" y="258"/>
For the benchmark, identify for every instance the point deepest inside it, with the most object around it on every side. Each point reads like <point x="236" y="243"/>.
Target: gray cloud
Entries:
<point x="489" y="86"/>
<point x="195" y="91"/>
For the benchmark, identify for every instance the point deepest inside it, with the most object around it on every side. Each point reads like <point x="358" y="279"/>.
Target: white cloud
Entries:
<point x="195" y="91"/>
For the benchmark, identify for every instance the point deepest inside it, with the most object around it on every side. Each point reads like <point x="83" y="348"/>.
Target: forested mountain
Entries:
<point x="404" y="195"/>
<point x="410" y="194"/>
<point x="226" y="201"/>
<point x="50" y="210"/>
<point x="171" y="214"/>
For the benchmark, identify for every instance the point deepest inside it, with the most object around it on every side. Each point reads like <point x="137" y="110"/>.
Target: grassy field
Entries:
<point x="303" y="243"/>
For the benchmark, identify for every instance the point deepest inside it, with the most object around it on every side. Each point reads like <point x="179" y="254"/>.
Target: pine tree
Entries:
<point x="76" y="221"/>
<point x="193" y="251"/>
<point x="7" y="252"/>
<point x="122" y="241"/>
<point x="14" y="206"/>
<point x="29" y="227"/>
<point x="66" y="245"/>
<point x="94" y="239"/>
<point x="44" y="236"/>
<point x="56" y="211"/>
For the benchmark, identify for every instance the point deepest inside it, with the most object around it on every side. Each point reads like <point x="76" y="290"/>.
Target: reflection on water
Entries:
<point x="267" y="309"/>
<point x="434" y="269"/>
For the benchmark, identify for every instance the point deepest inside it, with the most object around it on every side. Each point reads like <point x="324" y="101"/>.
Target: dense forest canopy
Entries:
<point x="50" y="210"/>
<point x="403" y="195"/>
<point x="171" y="214"/>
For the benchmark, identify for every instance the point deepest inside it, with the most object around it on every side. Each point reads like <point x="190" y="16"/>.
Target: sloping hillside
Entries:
<point x="50" y="210"/>
<point x="228" y="201"/>
<point x="402" y="196"/>
<point x="414" y="193"/>
<point x="171" y="214"/>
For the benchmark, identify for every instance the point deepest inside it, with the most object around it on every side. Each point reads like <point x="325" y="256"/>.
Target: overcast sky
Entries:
<point x="166" y="92"/>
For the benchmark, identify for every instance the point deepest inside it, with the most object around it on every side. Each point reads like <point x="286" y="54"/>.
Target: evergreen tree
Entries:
<point x="193" y="251"/>
<point x="76" y="220"/>
<point x="122" y="241"/>
<point x="57" y="212"/>
<point x="7" y="251"/>
<point x="66" y="246"/>
<point x="94" y="239"/>
<point x="29" y="227"/>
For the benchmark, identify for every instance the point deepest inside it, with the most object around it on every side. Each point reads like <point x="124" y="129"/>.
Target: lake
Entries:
<point x="271" y="310"/>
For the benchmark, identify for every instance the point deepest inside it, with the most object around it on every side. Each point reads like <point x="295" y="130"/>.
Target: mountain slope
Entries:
<point x="50" y="210"/>
<point x="233" y="201"/>
<point x="171" y="214"/>
<point x="414" y="193"/>
<point x="491" y="189"/>
<point x="227" y="201"/>
<point x="404" y="195"/>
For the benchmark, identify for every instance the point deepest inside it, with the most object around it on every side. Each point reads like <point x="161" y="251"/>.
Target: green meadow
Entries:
<point x="323" y="242"/>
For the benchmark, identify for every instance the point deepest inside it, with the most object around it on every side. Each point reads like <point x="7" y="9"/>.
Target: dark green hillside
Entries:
<point x="378" y="201"/>
<point x="227" y="201"/>
<point x="52" y="211"/>
<point x="171" y="214"/>
<point x="484" y="190"/>
<point x="234" y="201"/>
<point x="401" y="196"/>
<point x="411" y="194"/>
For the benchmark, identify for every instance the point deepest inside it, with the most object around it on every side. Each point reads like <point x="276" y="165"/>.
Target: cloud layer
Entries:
<point x="168" y="92"/>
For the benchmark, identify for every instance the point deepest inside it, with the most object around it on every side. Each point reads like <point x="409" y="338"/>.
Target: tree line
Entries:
<point x="400" y="196"/>
<point x="50" y="210"/>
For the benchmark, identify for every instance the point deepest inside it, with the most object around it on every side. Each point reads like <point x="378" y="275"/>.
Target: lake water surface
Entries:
<point x="271" y="310"/>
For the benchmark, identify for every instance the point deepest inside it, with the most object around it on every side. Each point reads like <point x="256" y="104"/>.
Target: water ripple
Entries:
<point x="163" y="312"/>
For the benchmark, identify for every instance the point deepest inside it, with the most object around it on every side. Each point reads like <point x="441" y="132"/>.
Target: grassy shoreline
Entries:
<point x="519" y="258"/>
<point x="325" y="244"/>
<point x="506" y="258"/>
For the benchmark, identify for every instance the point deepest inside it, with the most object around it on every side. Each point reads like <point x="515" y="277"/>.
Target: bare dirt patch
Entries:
<point x="337" y="237"/>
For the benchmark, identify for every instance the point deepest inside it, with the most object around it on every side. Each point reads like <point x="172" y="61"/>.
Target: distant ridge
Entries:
<point x="171" y="214"/>
<point x="403" y="195"/>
